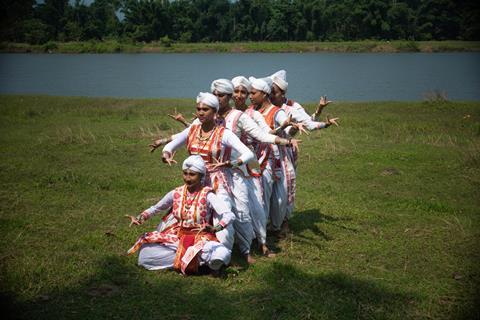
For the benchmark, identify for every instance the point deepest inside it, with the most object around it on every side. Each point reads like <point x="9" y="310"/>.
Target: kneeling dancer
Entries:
<point x="189" y="242"/>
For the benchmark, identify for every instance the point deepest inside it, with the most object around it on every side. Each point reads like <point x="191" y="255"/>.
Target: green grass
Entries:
<point x="113" y="46"/>
<point x="386" y="223"/>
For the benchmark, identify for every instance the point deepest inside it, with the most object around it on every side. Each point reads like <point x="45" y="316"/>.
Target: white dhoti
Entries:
<point x="243" y="223"/>
<point x="257" y="209"/>
<point x="289" y="183"/>
<point x="274" y="195"/>
<point x="157" y="256"/>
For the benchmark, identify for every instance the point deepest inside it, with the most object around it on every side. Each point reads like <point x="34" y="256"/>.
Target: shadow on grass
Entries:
<point x="310" y="222"/>
<point x="120" y="290"/>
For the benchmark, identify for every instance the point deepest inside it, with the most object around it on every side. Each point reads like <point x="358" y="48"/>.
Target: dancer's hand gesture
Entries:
<point x="295" y="144"/>
<point x="329" y="121"/>
<point x="168" y="158"/>
<point x="300" y="127"/>
<point x="178" y="117"/>
<point x="157" y="143"/>
<point x="135" y="220"/>
<point x="322" y="104"/>
<point x="219" y="164"/>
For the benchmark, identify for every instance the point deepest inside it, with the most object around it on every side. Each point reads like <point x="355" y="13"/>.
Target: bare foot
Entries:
<point x="266" y="252"/>
<point x="249" y="259"/>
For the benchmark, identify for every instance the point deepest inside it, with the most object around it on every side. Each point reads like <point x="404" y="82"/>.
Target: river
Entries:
<point x="341" y="76"/>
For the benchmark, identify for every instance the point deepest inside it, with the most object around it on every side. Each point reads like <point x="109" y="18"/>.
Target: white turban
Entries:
<point x="242" y="81"/>
<point x="194" y="163"/>
<point x="263" y="84"/>
<point x="280" y="79"/>
<point x="222" y="86"/>
<point x="208" y="99"/>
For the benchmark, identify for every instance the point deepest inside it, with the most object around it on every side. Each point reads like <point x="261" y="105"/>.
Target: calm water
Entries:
<point x="342" y="76"/>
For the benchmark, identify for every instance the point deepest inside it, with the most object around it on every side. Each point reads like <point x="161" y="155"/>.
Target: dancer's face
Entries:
<point x="277" y="96"/>
<point x="240" y="95"/>
<point x="191" y="178"/>
<point x="223" y="99"/>
<point x="205" y="113"/>
<point x="257" y="96"/>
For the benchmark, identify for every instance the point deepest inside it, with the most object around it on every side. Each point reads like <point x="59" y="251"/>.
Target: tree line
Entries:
<point x="37" y="22"/>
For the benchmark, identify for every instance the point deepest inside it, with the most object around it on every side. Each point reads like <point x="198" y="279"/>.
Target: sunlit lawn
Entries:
<point x="386" y="223"/>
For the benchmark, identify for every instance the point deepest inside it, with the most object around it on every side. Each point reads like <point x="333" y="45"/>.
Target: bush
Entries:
<point x="311" y="36"/>
<point x="185" y="37"/>
<point x="50" y="46"/>
<point x="409" y="46"/>
<point x="166" y="41"/>
<point x="35" y="31"/>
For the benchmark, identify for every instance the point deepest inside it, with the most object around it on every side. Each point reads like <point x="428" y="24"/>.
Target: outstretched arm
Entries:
<point x="164" y="204"/>
<point x="321" y="105"/>
<point x="179" y="117"/>
<point x="159" y="142"/>
<point x="169" y="150"/>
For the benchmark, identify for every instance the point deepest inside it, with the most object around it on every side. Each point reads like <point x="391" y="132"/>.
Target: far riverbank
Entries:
<point x="113" y="46"/>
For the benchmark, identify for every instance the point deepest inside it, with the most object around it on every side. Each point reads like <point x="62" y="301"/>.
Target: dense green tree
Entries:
<point x="54" y="14"/>
<point x="13" y="14"/>
<point x="241" y="20"/>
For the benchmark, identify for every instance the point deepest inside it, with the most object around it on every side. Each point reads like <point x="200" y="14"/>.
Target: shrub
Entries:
<point x="50" y="46"/>
<point x="166" y="41"/>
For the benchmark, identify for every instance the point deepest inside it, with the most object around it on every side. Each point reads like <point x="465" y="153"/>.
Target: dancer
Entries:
<point x="216" y="146"/>
<point x="244" y="128"/>
<point x="190" y="242"/>
<point x="271" y="158"/>
<point x="298" y="114"/>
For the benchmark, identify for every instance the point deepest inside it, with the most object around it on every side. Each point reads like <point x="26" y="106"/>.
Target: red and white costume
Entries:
<point x="181" y="245"/>
<point x="217" y="147"/>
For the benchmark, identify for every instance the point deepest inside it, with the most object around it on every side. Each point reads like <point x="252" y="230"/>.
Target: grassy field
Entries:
<point x="113" y="46"/>
<point x="386" y="225"/>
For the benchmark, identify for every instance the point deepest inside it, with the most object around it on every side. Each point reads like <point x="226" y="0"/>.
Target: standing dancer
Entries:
<point x="271" y="158"/>
<point x="191" y="241"/>
<point x="242" y="87"/>
<point x="298" y="114"/>
<point x="243" y="127"/>
<point x="215" y="145"/>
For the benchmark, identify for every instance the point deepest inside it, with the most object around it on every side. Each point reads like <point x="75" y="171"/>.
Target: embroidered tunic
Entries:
<point x="277" y="155"/>
<point x="218" y="146"/>
<point x="192" y="212"/>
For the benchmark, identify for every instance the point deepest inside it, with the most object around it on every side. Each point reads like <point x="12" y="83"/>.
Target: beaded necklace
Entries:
<point x="188" y="201"/>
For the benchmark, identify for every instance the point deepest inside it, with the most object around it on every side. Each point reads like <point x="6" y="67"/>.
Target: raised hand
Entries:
<point x="287" y="122"/>
<point x="329" y="121"/>
<point x="301" y="128"/>
<point x="178" y="117"/>
<point x="168" y="158"/>
<point x="322" y="104"/>
<point x="296" y="144"/>
<point x="219" y="164"/>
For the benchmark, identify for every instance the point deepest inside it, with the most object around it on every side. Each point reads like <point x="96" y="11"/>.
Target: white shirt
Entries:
<point x="229" y="139"/>
<point x="248" y="125"/>
<point x="300" y="115"/>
